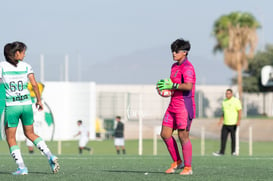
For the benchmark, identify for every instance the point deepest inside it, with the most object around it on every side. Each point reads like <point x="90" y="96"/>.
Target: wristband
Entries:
<point x="175" y="85"/>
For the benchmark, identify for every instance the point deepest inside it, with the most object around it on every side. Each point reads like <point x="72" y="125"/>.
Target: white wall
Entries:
<point x="70" y="102"/>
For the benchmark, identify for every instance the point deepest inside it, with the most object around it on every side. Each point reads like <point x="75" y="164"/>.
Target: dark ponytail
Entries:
<point x="10" y="50"/>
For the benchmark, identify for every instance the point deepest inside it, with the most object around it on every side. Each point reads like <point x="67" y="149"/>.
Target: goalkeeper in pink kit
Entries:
<point x="181" y="110"/>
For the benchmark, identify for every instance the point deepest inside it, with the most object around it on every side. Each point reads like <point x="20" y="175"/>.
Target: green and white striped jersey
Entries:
<point x="15" y="81"/>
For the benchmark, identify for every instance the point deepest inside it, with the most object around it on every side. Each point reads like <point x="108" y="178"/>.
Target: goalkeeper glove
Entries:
<point x="166" y="84"/>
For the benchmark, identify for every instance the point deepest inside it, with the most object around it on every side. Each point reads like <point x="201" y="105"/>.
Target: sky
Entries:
<point x="123" y="41"/>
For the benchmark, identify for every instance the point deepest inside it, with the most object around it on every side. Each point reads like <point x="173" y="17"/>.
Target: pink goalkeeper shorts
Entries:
<point x="178" y="120"/>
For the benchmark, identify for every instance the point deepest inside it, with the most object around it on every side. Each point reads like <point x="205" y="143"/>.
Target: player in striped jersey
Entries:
<point x="15" y="74"/>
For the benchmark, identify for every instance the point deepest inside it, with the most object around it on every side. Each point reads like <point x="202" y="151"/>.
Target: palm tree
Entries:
<point x="236" y="37"/>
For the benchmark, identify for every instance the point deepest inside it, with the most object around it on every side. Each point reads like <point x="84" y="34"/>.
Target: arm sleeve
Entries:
<point x="188" y="74"/>
<point x="238" y="105"/>
<point x="29" y="69"/>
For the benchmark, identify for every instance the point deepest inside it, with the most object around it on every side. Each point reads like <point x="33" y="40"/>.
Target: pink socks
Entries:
<point x="187" y="153"/>
<point x="173" y="149"/>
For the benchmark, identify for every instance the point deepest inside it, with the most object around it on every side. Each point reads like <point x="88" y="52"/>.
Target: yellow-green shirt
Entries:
<point x="230" y="109"/>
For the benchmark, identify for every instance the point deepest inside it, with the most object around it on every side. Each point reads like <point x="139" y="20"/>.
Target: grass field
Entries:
<point x="104" y="164"/>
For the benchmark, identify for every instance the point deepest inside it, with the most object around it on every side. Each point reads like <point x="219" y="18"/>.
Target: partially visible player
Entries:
<point x="38" y="116"/>
<point x="37" y="127"/>
<point x="181" y="109"/>
<point x="84" y="137"/>
<point x="15" y="74"/>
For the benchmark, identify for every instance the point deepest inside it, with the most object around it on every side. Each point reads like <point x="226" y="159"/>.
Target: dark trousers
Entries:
<point x="224" y="134"/>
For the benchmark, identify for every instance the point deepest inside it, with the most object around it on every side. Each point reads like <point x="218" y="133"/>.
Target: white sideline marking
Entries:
<point x="257" y="158"/>
<point x="103" y="158"/>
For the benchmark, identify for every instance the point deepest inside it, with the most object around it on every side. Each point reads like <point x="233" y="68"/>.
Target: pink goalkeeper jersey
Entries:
<point x="183" y="100"/>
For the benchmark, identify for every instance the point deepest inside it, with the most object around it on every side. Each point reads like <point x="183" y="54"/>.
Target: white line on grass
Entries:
<point x="103" y="158"/>
<point x="256" y="158"/>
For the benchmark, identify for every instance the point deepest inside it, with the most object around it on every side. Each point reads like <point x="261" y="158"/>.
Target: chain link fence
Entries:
<point x="151" y="106"/>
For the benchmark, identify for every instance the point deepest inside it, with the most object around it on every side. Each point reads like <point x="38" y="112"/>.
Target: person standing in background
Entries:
<point x="232" y="110"/>
<point x="84" y="137"/>
<point x="119" y="136"/>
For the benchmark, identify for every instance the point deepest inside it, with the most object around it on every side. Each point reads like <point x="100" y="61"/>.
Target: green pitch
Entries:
<point x="127" y="168"/>
<point x="105" y="165"/>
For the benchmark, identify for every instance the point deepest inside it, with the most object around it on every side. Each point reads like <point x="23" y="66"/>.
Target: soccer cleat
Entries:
<point x="217" y="154"/>
<point x="180" y="166"/>
<point x="174" y="166"/>
<point x="234" y="154"/>
<point x="54" y="165"/>
<point x="21" y="171"/>
<point x="186" y="171"/>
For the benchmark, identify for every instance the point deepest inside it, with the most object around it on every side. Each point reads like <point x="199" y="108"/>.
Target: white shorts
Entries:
<point x="119" y="141"/>
<point x="83" y="142"/>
